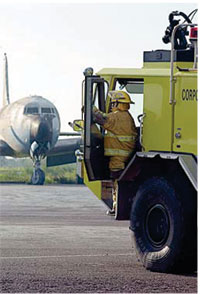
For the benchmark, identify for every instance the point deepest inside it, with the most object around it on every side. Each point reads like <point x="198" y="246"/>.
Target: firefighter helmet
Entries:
<point x="120" y="97"/>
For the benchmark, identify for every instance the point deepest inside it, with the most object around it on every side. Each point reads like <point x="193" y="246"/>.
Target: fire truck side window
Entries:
<point x="97" y="100"/>
<point x="95" y="96"/>
<point x="135" y="89"/>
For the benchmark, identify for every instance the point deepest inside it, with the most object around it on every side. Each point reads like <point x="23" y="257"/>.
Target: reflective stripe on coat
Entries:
<point x="121" y="134"/>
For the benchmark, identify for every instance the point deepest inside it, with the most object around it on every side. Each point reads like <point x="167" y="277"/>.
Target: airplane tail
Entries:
<point x="6" y="98"/>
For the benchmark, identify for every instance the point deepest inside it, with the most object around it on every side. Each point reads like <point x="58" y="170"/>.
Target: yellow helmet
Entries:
<point x="120" y="97"/>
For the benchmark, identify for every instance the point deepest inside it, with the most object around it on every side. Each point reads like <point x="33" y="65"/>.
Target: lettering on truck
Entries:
<point x="189" y="95"/>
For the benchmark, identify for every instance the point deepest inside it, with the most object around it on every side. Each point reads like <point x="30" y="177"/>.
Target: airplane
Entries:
<point x="30" y="127"/>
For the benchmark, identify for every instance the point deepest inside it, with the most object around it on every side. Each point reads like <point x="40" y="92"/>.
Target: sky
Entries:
<point x="49" y="44"/>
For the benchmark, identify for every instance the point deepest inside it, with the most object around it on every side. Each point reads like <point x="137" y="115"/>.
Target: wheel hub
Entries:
<point x="157" y="225"/>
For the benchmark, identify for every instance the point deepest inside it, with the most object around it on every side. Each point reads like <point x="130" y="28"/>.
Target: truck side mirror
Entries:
<point x="78" y="125"/>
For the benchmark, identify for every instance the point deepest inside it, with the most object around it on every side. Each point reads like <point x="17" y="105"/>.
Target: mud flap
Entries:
<point x="106" y="193"/>
<point x="124" y="200"/>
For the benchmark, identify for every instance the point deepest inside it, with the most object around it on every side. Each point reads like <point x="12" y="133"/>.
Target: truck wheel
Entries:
<point x="164" y="227"/>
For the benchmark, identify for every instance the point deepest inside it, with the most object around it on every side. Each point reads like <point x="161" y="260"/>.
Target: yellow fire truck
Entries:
<point x="157" y="190"/>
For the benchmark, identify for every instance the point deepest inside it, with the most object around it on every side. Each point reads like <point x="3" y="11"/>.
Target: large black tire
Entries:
<point x="38" y="177"/>
<point x="163" y="222"/>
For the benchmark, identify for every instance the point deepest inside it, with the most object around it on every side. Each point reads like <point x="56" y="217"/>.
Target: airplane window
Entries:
<point x="46" y="110"/>
<point x="32" y="110"/>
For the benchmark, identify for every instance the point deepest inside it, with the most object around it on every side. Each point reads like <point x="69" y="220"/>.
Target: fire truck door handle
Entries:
<point x="140" y="117"/>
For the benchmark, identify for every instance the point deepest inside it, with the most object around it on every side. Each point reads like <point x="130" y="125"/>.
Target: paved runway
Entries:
<point x="58" y="239"/>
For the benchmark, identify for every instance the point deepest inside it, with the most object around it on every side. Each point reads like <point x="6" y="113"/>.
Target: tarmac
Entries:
<point x="58" y="239"/>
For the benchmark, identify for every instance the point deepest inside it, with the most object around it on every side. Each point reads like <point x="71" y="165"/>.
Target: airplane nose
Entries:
<point x="41" y="131"/>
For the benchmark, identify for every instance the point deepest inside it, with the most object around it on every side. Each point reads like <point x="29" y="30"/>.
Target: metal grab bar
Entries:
<point x="141" y="119"/>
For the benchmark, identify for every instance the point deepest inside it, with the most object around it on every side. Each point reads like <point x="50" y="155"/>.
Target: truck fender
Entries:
<point x="187" y="162"/>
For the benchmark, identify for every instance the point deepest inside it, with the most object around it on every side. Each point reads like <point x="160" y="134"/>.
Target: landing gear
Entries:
<point x="38" y="177"/>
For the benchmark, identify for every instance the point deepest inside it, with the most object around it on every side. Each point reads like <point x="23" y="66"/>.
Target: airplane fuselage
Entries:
<point x="28" y="120"/>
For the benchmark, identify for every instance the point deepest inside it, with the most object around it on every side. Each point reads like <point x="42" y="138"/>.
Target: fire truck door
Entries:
<point x="95" y="162"/>
<point x="185" y="114"/>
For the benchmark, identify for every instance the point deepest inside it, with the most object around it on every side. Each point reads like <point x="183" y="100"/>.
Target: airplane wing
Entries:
<point x="63" y="152"/>
<point x="5" y="149"/>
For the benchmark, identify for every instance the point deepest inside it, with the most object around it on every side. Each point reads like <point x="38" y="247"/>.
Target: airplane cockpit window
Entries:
<point x="31" y="110"/>
<point x="37" y="110"/>
<point x="46" y="110"/>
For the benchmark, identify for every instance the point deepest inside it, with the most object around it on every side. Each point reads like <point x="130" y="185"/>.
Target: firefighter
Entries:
<point x="120" y="135"/>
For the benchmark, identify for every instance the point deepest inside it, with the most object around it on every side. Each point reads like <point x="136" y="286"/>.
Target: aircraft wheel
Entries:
<point x="38" y="177"/>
